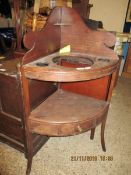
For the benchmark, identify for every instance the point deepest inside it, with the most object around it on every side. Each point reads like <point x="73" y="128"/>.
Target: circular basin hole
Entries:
<point x="75" y="61"/>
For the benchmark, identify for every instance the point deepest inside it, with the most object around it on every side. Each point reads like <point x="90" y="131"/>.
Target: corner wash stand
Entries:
<point x="46" y="93"/>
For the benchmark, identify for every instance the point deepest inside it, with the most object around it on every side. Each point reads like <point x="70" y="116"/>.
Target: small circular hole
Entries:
<point x="103" y="60"/>
<point x="42" y="64"/>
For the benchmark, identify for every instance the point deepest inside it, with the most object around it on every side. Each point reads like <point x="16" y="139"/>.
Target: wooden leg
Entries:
<point x="92" y="133"/>
<point x="29" y="164"/>
<point x="30" y="154"/>
<point x="102" y="135"/>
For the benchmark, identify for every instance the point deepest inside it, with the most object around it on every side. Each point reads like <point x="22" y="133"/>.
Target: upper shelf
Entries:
<point x="84" y="67"/>
<point x="88" y="48"/>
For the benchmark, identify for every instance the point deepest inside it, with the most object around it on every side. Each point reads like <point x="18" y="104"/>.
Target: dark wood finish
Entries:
<point x="92" y="133"/>
<point x="100" y="88"/>
<point x="65" y="113"/>
<point x="12" y="127"/>
<point x="53" y="72"/>
<point x="15" y="129"/>
<point x="64" y="27"/>
<point x="95" y="45"/>
<point x="102" y="84"/>
<point x="97" y="88"/>
<point x="96" y="50"/>
<point x="102" y="133"/>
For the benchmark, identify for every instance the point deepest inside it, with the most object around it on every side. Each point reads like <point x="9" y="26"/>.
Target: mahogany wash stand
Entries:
<point x="76" y="78"/>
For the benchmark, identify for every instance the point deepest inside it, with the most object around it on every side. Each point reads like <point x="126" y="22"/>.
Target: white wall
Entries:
<point x="111" y="12"/>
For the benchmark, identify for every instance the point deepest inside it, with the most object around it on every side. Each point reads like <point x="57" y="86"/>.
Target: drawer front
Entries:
<point x="11" y="127"/>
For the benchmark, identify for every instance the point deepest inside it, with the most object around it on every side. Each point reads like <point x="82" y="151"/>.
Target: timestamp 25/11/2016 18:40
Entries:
<point x="91" y="158"/>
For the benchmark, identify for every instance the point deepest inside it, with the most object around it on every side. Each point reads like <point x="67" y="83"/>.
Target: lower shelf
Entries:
<point x="66" y="113"/>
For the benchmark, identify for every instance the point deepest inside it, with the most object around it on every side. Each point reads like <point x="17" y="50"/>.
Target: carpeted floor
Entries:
<point x="55" y="157"/>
